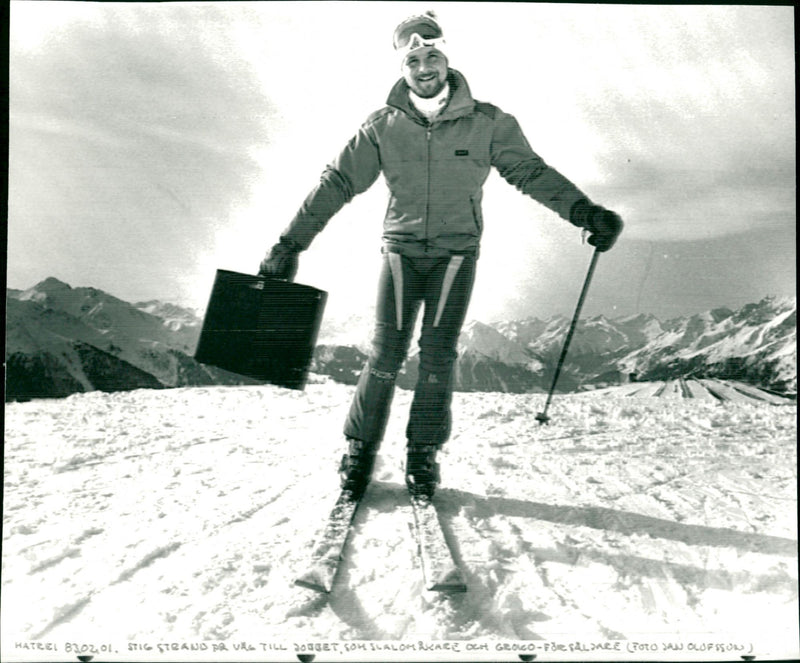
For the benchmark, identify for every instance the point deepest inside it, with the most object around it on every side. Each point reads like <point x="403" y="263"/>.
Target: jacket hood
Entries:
<point x="460" y="103"/>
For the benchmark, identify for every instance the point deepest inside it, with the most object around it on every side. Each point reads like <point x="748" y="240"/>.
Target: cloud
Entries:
<point x="689" y="113"/>
<point x="666" y="201"/>
<point x="130" y="140"/>
<point x="692" y="167"/>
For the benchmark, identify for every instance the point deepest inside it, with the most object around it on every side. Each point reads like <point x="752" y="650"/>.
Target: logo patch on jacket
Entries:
<point x="462" y="153"/>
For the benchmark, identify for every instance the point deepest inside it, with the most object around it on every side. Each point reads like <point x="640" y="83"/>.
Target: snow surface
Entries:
<point x="182" y="516"/>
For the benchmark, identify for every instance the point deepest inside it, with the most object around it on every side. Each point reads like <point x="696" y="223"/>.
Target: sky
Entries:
<point x="154" y="143"/>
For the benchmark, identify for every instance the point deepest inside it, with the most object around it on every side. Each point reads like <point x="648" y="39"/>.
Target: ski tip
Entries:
<point x="448" y="587"/>
<point x="420" y="500"/>
<point x="312" y="581"/>
<point x="450" y="583"/>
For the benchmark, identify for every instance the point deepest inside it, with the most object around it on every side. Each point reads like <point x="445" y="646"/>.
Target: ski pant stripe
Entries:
<point x="396" y="266"/>
<point x="447" y="283"/>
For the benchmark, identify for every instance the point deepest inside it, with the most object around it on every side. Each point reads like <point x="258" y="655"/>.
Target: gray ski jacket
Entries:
<point x="435" y="173"/>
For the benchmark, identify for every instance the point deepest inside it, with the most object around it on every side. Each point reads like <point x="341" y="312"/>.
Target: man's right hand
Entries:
<point x="281" y="261"/>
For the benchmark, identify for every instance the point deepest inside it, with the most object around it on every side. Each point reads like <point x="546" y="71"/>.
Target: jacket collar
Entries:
<point x="460" y="103"/>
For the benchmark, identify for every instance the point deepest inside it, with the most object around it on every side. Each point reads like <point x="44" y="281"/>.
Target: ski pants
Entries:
<point x="444" y="286"/>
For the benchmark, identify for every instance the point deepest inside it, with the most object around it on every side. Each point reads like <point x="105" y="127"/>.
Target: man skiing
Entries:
<point x="435" y="146"/>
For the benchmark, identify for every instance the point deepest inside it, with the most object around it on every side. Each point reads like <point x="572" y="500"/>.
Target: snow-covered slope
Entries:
<point x="182" y="516"/>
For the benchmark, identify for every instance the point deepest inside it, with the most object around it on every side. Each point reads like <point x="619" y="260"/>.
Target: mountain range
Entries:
<point x="63" y="340"/>
<point x="755" y="344"/>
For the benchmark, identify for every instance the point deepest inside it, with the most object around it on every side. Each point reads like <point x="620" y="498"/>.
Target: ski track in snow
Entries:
<point x="190" y="512"/>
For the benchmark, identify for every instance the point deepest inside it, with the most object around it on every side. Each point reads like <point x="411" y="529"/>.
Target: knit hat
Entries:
<point x="422" y="31"/>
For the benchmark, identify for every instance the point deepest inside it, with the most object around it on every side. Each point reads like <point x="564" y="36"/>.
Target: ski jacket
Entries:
<point x="435" y="173"/>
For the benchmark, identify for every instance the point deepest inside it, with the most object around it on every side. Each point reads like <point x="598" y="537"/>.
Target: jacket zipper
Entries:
<point x="428" y="188"/>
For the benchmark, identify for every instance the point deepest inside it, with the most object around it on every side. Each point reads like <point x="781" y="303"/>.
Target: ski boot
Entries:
<point x="422" y="470"/>
<point x="355" y="469"/>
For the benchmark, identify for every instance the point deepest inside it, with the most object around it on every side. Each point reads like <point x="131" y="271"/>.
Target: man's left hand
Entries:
<point x="604" y="227"/>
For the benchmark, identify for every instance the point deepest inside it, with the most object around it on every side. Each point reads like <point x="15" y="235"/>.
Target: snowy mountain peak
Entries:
<point x="174" y="317"/>
<point x="51" y="284"/>
<point x="765" y="310"/>
<point x="720" y="314"/>
<point x="58" y="295"/>
<point x="481" y="339"/>
<point x="40" y="292"/>
<point x="636" y="319"/>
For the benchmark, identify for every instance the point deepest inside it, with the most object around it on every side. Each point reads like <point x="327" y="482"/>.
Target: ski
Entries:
<point x="439" y="570"/>
<point x="328" y="549"/>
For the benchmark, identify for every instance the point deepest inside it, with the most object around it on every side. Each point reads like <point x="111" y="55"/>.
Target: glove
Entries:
<point x="603" y="225"/>
<point x="281" y="261"/>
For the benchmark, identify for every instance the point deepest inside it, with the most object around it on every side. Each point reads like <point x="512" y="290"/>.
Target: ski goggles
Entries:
<point x="416" y="41"/>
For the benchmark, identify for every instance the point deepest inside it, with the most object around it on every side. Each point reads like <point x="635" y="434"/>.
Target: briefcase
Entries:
<point x="262" y="328"/>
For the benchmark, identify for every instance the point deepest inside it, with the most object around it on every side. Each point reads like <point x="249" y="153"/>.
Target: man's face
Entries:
<point x="425" y="71"/>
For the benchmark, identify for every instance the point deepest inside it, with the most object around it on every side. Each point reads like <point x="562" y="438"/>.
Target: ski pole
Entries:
<point x="542" y="417"/>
